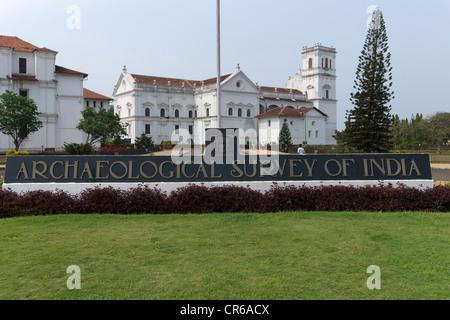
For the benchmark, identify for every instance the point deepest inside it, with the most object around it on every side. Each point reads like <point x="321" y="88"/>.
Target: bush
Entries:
<point x="17" y="153"/>
<point x="200" y="199"/>
<point x="144" y="142"/>
<point x="78" y="148"/>
<point x="168" y="143"/>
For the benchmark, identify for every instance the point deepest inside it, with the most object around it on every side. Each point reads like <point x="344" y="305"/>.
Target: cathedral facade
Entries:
<point x="160" y="107"/>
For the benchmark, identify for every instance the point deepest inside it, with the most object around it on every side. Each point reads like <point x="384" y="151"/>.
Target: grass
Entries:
<point x="279" y="256"/>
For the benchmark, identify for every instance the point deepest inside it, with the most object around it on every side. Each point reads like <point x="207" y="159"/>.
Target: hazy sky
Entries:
<point x="177" y="38"/>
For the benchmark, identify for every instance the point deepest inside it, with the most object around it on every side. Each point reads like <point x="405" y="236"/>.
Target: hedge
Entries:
<point x="199" y="199"/>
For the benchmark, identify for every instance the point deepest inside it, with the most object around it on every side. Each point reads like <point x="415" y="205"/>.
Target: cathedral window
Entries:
<point x="328" y="94"/>
<point x="249" y="113"/>
<point x="177" y="113"/>
<point x="147" y="129"/>
<point x="310" y="63"/>
<point x="330" y="64"/>
<point x="191" y="130"/>
<point x="207" y="112"/>
<point x="326" y="63"/>
<point x="163" y="113"/>
<point x="230" y="111"/>
<point x="240" y="113"/>
<point x="190" y="114"/>
<point x="147" y="112"/>
<point x="22" y="65"/>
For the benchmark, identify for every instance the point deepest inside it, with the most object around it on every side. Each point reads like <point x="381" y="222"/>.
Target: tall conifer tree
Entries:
<point x="285" y="135"/>
<point x="368" y="128"/>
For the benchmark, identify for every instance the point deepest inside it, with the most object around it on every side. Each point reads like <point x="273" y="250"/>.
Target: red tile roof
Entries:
<point x="285" y="112"/>
<point x="280" y="90"/>
<point x="19" y="45"/>
<point x="59" y="69"/>
<point x="161" y="81"/>
<point x="214" y="80"/>
<point x="47" y="50"/>
<point x="88" y="94"/>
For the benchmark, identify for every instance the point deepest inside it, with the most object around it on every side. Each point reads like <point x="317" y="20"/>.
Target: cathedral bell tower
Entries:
<point x="317" y="78"/>
<point x="319" y="72"/>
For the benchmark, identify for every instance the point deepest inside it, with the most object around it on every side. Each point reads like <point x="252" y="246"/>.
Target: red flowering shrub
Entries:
<point x="112" y="148"/>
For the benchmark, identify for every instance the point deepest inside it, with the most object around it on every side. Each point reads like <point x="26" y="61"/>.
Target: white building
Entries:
<point x="158" y="106"/>
<point x="58" y="93"/>
<point x="95" y="100"/>
<point x="307" y="125"/>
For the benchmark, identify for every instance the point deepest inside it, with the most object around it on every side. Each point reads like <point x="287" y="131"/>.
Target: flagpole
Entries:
<point x="218" y="63"/>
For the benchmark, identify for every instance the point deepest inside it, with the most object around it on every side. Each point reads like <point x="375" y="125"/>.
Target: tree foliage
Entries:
<point x="369" y="122"/>
<point x="19" y="117"/>
<point x="432" y="130"/>
<point x="410" y="132"/>
<point x="101" y="125"/>
<point x="285" y="137"/>
<point x="439" y="129"/>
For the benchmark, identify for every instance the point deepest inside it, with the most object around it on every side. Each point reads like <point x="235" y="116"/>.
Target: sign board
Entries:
<point x="143" y="169"/>
<point x="220" y="163"/>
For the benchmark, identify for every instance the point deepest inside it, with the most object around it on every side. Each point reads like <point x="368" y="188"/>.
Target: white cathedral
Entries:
<point x="159" y="106"/>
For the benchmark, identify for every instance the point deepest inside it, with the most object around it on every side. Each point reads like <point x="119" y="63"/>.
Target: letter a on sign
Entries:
<point x="374" y="281"/>
<point x="74" y="281"/>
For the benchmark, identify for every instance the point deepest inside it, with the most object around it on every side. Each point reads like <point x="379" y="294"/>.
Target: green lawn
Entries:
<point x="293" y="255"/>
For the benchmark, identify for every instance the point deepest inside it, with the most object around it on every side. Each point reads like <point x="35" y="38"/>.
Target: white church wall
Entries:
<point x="5" y="62"/>
<point x="31" y="65"/>
<point x="60" y="104"/>
<point x="45" y="65"/>
<point x="70" y="103"/>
